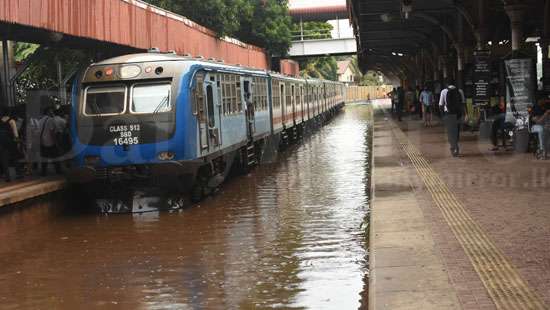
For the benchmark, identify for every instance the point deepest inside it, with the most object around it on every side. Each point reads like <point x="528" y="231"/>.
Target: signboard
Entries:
<point x="520" y="89"/>
<point x="481" y="78"/>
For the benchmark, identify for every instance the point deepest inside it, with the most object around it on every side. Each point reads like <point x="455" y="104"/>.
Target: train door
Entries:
<point x="199" y="109"/>
<point x="248" y="99"/>
<point x="212" y="116"/>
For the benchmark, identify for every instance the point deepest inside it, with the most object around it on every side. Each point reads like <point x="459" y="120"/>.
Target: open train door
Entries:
<point x="209" y="113"/>
<point x="248" y="99"/>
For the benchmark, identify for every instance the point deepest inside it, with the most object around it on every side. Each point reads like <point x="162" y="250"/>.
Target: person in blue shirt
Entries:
<point x="427" y="100"/>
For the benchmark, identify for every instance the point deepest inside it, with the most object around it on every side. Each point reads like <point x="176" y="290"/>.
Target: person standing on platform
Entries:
<point x="419" y="108"/>
<point x="9" y="138"/>
<point x="541" y="120"/>
<point x="392" y="95"/>
<point x="400" y="102"/>
<point x="499" y="113"/>
<point x="427" y="101"/>
<point x="409" y="101"/>
<point x="51" y="127"/>
<point x="452" y="104"/>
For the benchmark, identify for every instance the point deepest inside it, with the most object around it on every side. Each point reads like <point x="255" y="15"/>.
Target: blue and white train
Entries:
<point x="184" y="123"/>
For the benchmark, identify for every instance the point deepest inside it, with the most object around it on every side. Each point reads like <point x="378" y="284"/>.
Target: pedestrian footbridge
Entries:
<point x="319" y="47"/>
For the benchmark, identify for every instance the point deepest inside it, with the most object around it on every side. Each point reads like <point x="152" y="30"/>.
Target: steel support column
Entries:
<point x="460" y="51"/>
<point x="6" y="89"/>
<point x="516" y="13"/>
<point x="481" y="25"/>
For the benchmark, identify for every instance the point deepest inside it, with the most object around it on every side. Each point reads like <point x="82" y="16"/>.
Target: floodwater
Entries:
<point x="290" y="235"/>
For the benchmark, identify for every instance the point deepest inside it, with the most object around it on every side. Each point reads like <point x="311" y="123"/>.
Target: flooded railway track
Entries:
<point x="291" y="235"/>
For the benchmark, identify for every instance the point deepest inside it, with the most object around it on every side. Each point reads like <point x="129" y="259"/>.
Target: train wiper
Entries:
<point x="162" y="103"/>
<point x="97" y="109"/>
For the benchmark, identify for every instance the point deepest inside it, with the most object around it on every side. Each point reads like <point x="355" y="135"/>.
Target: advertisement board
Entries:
<point x="481" y="78"/>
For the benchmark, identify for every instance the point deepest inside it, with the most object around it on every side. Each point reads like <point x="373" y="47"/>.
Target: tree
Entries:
<point x="320" y="68"/>
<point x="312" y="30"/>
<point x="42" y="73"/>
<point x="268" y="26"/>
<point x="371" y="78"/>
<point x="324" y="67"/>
<point x="265" y="23"/>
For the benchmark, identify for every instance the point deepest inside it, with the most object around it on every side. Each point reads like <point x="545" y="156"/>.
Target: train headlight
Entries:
<point x="165" y="156"/>
<point x="130" y="72"/>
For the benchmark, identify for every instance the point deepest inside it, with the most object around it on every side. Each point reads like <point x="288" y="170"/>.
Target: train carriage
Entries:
<point x="181" y="121"/>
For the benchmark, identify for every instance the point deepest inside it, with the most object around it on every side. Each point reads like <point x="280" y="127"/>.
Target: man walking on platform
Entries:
<point x="452" y="104"/>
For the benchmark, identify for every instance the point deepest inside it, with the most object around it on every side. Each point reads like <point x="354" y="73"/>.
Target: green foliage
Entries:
<point x="312" y="30"/>
<point x="264" y="23"/>
<point x="42" y="74"/>
<point x="268" y="24"/>
<point x="320" y="68"/>
<point x="371" y="78"/>
<point x="24" y="50"/>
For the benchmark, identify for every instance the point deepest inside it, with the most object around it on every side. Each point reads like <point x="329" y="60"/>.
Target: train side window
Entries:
<point x="282" y="96"/>
<point x="105" y="100"/>
<point x="151" y="98"/>
<point x="289" y="95"/>
<point x="198" y="94"/>
<point x="276" y="98"/>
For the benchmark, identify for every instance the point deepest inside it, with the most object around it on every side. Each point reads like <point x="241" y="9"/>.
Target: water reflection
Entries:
<point x="289" y="235"/>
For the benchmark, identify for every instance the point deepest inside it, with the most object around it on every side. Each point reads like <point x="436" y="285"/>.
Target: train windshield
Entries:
<point x="105" y="100"/>
<point x="151" y="98"/>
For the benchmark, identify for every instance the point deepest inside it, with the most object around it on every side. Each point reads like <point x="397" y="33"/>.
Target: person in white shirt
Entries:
<point x="443" y="97"/>
<point x="452" y="104"/>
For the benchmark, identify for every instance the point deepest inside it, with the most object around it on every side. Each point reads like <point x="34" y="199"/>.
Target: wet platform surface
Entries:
<point x="290" y="235"/>
<point x="18" y="191"/>
<point x="456" y="233"/>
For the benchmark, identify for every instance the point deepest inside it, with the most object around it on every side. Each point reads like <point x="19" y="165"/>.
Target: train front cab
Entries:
<point x="125" y="115"/>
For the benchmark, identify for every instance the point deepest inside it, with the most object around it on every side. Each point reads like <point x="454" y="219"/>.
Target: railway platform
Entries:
<point x="456" y="233"/>
<point x="28" y="188"/>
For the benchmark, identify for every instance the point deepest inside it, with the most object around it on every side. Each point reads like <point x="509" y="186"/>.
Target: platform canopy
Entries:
<point x="392" y="35"/>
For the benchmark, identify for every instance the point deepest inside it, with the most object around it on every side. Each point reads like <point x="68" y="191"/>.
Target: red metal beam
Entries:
<point x="131" y="23"/>
<point x="319" y="12"/>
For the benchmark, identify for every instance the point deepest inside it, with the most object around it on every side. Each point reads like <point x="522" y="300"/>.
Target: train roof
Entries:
<point x="161" y="57"/>
<point x="209" y="64"/>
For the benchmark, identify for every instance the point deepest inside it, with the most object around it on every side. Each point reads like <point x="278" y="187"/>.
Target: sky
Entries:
<point x="306" y="3"/>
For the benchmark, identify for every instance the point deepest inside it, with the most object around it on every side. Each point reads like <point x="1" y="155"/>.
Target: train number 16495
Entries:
<point x="127" y="134"/>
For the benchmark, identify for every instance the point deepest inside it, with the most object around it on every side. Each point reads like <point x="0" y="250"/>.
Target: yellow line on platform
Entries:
<point x="502" y="281"/>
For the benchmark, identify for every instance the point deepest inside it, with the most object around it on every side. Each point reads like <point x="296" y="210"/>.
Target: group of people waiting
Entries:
<point x="27" y="142"/>
<point x="452" y="110"/>
<point x="424" y="102"/>
<point x="414" y="101"/>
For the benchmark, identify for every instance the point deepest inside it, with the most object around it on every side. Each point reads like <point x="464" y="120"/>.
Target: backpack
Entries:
<point x="454" y="101"/>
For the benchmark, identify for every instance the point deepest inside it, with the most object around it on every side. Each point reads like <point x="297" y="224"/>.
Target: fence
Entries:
<point x="359" y="93"/>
